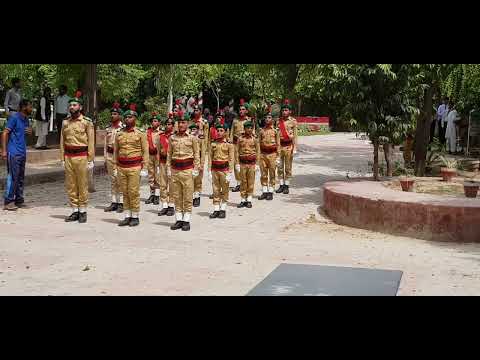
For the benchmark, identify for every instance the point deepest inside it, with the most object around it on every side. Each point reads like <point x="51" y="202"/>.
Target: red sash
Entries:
<point x="283" y="130"/>
<point x="151" y="146"/>
<point x="164" y="141"/>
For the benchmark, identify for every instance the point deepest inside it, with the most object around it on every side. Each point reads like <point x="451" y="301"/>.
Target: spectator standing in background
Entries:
<point x="42" y="117"/>
<point x="442" y="113"/>
<point x="13" y="97"/>
<point x="61" y="109"/>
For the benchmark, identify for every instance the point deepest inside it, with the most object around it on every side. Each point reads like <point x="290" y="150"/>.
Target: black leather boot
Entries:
<point x="280" y="189"/>
<point x="120" y="208"/>
<point x="156" y="200"/>
<point x="248" y="204"/>
<point x="125" y="222"/>
<point x="150" y="199"/>
<point x="222" y="214"/>
<point x="178" y="225"/>
<point x="186" y="226"/>
<point x="134" y="222"/>
<point x="74" y="217"/>
<point x="163" y="212"/>
<point x="270" y="196"/>
<point x="242" y="204"/>
<point x="286" y="189"/>
<point x="170" y="211"/>
<point x="236" y="189"/>
<point x="264" y="196"/>
<point x="196" y="202"/>
<point x="215" y="215"/>
<point x="112" y="207"/>
<point x="82" y="218"/>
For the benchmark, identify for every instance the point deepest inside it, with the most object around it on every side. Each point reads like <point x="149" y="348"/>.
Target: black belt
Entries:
<point x="75" y="150"/>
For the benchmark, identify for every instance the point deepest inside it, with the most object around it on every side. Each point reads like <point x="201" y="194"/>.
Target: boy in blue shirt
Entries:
<point x="15" y="152"/>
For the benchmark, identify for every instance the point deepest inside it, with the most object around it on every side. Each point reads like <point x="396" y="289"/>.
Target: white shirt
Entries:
<point x="442" y="111"/>
<point x="12" y="99"/>
<point x="43" y="105"/>
<point x="61" y="104"/>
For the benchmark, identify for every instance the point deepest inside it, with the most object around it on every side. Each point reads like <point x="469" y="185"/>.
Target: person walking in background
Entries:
<point x="42" y="118"/>
<point x="13" y="97"/>
<point x="442" y="113"/>
<point x="15" y="152"/>
<point x="61" y="109"/>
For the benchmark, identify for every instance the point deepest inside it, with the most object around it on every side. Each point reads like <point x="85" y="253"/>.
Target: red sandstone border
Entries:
<point x="372" y="206"/>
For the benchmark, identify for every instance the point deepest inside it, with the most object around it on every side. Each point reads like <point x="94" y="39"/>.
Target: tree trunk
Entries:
<point x="375" y="160"/>
<point x="170" y="89"/>
<point x="423" y="132"/>
<point x="388" y="158"/>
<point x="292" y="75"/>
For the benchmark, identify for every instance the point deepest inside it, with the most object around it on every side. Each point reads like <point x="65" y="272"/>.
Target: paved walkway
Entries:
<point x="42" y="255"/>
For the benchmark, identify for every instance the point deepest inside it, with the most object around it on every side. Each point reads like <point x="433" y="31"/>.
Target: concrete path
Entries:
<point x="42" y="255"/>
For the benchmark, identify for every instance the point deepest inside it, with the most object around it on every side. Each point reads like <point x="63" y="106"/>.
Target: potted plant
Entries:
<point x="449" y="169"/>
<point x="470" y="187"/>
<point x="406" y="181"/>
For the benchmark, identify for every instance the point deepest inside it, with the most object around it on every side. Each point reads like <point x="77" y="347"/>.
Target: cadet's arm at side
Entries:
<point x="196" y="155"/>
<point x="145" y="151"/>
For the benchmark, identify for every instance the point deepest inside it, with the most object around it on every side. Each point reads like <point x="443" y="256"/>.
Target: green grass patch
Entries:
<point x="311" y="130"/>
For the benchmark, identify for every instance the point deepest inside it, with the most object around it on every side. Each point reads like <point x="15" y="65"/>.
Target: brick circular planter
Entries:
<point x="372" y="206"/>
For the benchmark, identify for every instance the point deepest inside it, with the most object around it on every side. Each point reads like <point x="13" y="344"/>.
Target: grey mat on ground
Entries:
<point x="319" y="280"/>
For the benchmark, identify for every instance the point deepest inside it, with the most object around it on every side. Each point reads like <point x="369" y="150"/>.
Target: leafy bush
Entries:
<point x="103" y="119"/>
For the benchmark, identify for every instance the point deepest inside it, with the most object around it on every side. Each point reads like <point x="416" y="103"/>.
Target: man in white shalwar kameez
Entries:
<point x="451" y="131"/>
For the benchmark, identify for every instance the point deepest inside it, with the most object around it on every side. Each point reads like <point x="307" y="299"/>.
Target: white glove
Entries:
<point x="228" y="177"/>
<point x="169" y="172"/>
<point x="237" y="167"/>
<point x="63" y="164"/>
<point x="158" y="169"/>
<point x="195" y="173"/>
<point x="90" y="165"/>
<point x="115" y="173"/>
<point x="278" y="161"/>
<point x="294" y="152"/>
<point x="144" y="173"/>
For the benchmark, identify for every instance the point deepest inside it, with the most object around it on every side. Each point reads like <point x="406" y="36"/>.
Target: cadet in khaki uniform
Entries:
<point x="269" y="139"/>
<point x="116" y="125"/>
<point x="131" y="160"/>
<point x="236" y="131"/>
<point x="165" y="182"/>
<point x="221" y="164"/>
<point x="247" y="155"/>
<point x="199" y="130"/>
<point x="288" y="147"/>
<point x="183" y="163"/>
<point x="153" y="133"/>
<point x="77" y="152"/>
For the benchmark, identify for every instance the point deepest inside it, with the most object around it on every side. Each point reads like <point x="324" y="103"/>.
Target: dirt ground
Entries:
<point x="40" y="254"/>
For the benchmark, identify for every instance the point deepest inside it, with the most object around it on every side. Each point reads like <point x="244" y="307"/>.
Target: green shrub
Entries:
<point x="104" y="119"/>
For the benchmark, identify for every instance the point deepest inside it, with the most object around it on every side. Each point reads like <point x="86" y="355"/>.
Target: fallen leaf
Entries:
<point x="86" y="268"/>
